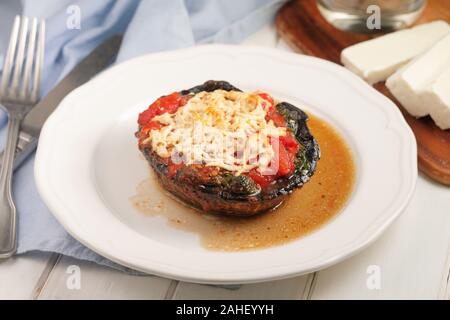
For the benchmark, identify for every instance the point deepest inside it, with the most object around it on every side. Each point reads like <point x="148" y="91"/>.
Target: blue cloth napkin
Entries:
<point x="149" y="26"/>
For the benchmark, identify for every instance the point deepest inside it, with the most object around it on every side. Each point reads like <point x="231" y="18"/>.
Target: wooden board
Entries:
<point x="300" y="24"/>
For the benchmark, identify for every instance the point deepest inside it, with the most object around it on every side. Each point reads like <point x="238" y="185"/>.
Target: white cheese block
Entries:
<point x="439" y="98"/>
<point x="375" y="60"/>
<point x="423" y="85"/>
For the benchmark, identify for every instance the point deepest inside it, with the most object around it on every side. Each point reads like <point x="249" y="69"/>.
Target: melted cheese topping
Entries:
<point x="226" y="129"/>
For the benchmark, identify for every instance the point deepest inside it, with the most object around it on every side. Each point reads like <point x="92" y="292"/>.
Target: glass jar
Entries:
<point x="370" y="16"/>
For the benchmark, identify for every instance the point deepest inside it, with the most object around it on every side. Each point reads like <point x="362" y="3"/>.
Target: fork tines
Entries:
<point x="21" y="68"/>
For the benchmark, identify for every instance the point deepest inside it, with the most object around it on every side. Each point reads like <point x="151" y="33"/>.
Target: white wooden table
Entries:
<point x="412" y="260"/>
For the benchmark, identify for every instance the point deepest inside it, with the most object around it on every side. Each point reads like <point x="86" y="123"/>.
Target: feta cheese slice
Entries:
<point x="376" y="59"/>
<point x="423" y="85"/>
<point x="439" y="97"/>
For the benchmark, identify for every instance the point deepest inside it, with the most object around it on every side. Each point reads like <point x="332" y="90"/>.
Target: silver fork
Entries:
<point x="19" y="91"/>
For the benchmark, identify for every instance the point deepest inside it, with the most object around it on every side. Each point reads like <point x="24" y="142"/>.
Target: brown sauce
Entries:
<point x="305" y="210"/>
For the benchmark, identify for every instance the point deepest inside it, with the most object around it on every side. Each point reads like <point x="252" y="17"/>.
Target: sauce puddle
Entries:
<point x="305" y="210"/>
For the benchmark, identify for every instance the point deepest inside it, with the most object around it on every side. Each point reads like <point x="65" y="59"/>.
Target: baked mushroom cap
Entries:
<point x="222" y="191"/>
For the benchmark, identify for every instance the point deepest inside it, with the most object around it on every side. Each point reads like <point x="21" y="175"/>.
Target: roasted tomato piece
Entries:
<point x="290" y="143"/>
<point x="278" y="119"/>
<point x="285" y="163"/>
<point x="262" y="180"/>
<point x="266" y="97"/>
<point x="169" y="104"/>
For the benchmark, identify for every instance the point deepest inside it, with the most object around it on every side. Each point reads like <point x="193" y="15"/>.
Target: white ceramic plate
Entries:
<point x="88" y="165"/>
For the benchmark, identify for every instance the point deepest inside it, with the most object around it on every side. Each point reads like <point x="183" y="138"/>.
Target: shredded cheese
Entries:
<point x="226" y="129"/>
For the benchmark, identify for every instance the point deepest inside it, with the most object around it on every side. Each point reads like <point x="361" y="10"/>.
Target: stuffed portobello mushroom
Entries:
<point x="226" y="151"/>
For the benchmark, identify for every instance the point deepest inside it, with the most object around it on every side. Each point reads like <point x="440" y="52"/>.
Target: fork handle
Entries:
<point x="8" y="239"/>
